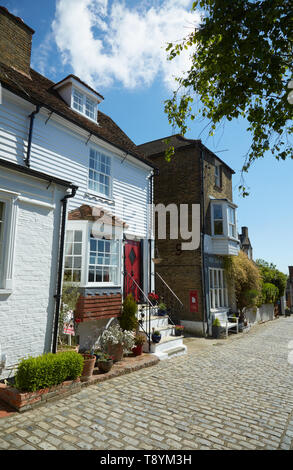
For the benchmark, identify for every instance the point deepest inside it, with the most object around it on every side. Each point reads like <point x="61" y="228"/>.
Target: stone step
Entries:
<point x="166" y="343"/>
<point x="164" y="330"/>
<point x="156" y="322"/>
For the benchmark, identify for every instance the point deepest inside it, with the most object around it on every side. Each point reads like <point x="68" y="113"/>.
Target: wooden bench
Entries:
<point x="225" y="321"/>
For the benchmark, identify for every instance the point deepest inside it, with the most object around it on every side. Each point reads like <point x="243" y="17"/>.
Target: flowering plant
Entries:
<point x="179" y="327"/>
<point x="105" y="357"/>
<point x="153" y="297"/>
<point x="115" y="335"/>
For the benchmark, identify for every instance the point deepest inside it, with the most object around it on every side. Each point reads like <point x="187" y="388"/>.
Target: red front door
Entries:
<point x="132" y="277"/>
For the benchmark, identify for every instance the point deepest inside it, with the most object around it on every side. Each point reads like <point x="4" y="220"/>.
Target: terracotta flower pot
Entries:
<point x="116" y="351"/>
<point x="137" y="350"/>
<point x="88" y="367"/>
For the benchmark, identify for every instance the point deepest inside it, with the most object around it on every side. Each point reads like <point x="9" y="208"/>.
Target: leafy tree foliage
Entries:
<point x="270" y="274"/>
<point x="244" y="277"/>
<point x="241" y="59"/>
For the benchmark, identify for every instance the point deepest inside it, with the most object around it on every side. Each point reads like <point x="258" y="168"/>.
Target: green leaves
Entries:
<point x="240" y="68"/>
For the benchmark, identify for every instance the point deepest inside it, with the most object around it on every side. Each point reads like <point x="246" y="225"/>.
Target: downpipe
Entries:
<point x="57" y="296"/>
<point x="27" y="160"/>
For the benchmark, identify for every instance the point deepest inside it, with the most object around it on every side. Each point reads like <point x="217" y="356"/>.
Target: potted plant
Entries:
<point x="127" y="319"/>
<point x="98" y="353"/>
<point x="179" y="330"/>
<point x="139" y="341"/>
<point x="287" y="312"/>
<point x="116" y="341"/>
<point x="216" y="328"/>
<point x="88" y="365"/>
<point x="162" y="310"/>
<point x="156" y="336"/>
<point x="105" y="362"/>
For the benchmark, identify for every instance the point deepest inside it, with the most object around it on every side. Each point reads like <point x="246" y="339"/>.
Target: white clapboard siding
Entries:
<point x="61" y="152"/>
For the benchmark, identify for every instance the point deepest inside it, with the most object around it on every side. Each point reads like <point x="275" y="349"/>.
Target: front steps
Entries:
<point x="170" y="345"/>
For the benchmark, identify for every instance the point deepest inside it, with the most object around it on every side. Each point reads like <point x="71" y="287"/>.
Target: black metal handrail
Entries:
<point x="174" y="305"/>
<point x="149" y="307"/>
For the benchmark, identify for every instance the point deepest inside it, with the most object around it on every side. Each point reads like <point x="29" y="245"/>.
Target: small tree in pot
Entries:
<point x="216" y="328"/>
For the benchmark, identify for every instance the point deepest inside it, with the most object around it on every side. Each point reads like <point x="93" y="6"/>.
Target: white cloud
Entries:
<point x="109" y="42"/>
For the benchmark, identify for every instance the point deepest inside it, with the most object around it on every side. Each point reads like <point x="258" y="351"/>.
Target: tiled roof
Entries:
<point x="38" y="90"/>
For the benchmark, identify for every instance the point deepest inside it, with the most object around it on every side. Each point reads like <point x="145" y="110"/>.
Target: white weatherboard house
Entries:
<point x="62" y="159"/>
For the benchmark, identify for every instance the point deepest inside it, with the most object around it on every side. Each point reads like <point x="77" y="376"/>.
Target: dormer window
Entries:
<point x="79" y="96"/>
<point x="84" y="105"/>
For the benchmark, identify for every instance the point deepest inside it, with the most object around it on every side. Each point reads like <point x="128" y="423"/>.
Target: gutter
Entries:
<point x="57" y="296"/>
<point x="202" y="232"/>
<point x="30" y="135"/>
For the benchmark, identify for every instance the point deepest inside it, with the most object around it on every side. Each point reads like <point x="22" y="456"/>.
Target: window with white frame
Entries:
<point x="73" y="256"/>
<point x="103" y="261"/>
<point x="218" y="222"/>
<point x="83" y="104"/>
<point x="8" y="217"/>
<point x="231" y="222"/>
<point x="2" y="218"/>
<point x="218" y="289"/>
<point x="217" y="176"/>
<point x="99" y="173"/>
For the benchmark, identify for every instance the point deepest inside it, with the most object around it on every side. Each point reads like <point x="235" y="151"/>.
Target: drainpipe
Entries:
<point x="155" y="173"/>
<point x="30" y="135"/>
<point x="203" y="279"/>
<point x="57" y="296"/>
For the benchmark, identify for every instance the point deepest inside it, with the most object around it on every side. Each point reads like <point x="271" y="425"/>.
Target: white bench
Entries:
<point x="225" y="321"/>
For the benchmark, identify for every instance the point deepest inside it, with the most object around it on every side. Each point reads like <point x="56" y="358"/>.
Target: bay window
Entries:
<point x="218" y="288"/>
<point x="103" y="261"/>
<point x="73" y="256"/>
<point x="2" y="211"/>
<point x="91" y="259"/>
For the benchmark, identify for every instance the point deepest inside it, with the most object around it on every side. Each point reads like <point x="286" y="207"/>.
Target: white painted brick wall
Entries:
<point x="26" y="315"/>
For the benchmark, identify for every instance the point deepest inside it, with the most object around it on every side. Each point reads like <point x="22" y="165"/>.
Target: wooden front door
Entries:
<point x="132" y="260"/>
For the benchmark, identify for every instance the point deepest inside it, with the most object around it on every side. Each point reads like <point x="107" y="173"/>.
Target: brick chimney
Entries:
<point x="15" y="42"/>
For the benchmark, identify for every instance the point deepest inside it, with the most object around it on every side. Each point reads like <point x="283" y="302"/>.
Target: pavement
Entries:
<point x="234" y="393"/>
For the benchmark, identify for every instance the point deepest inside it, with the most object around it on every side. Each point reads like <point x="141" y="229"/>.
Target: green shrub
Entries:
<point x="128" y="320"/>
<point x="48" y="370"/>
<point x="270" y="293"/>
<point x="216" y="322"/>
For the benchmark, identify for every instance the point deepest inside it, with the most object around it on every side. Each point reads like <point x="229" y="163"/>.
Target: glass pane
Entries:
<point x="77" y="248"/>
<point x="218" y="227"/>
<point x="68" y="248"/>
<point x="76" y="276"/>
<point x="77" y="262"/>
<point x="106" y="275"/>
<point x="99" y="277"/>
<point x="69" y="236"/>
<point x="218" y="214"/>
<point x="68" y="262"/>
<point x="67" y="276"/>
<point x="77" y="235"/>
<point x="91" y="274"/>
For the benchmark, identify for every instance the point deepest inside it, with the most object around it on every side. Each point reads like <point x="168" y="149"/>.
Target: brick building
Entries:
<point x="196" y="176"/>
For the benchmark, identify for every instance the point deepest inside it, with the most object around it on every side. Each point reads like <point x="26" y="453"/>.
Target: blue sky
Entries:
<point x="118" y="47"/>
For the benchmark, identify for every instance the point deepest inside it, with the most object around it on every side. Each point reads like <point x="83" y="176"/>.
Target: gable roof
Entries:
<point x="157" y="147"/>
<point x="38" y="89"/>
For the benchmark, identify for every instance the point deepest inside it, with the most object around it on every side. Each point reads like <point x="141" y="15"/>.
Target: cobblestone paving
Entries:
<point x="233" y="394"/>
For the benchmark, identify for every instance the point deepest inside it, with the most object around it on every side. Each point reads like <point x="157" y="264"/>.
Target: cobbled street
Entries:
<point x="224" y="394"/>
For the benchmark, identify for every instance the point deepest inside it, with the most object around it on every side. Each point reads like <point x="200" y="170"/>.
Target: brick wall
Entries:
<point x="15" y="42"/>
<point x="98" y="307"/>
<point x="26" y="315"/>
<point x="179" y="183"/>
<point x="210" y="189"/>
